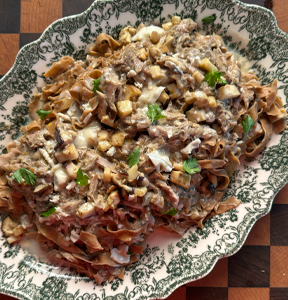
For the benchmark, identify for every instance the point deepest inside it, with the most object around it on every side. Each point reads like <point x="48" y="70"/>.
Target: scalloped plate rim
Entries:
<point x="237" y="247"/>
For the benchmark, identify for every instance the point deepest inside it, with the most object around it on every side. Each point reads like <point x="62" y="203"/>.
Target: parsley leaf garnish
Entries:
<point x="48" y="212"/>
<point x="133" y="158"/>
<point x="43" y="113"/>
<point x="191" y="166"/>
<point x="209" y="20"/>
<point x="129" y="252"/>
<point x="154" y="112"/>
<point x="213" y="77"/>
<point x="171" y="212"/>
<point x="28" y="176"/>
<point x="247" y="124"/>
<point x="96" y="83"/>
<point x="81" y="178"/>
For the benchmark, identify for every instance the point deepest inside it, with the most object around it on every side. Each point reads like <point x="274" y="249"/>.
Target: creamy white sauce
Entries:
<point x="144" y="33"/>
<point x="160" y="160"/>
<point x="120" y="255"/>
<point x="246" y="65"/>
<point x="74" y="236"/>
<point x="86" y="106"/>
<point x="87" y="137"/>
<point x="191" y="146"/>
<point x="77" y="88"/>
<point x="36" y="249"/>
<point x="89" y="82"/>
<point x="61" y="179"/>
<point x="55" y="198"/>
<point x="150" y="94"/>
<point x="74" y="111"/>
<point x="71" y="185"/>
<point x="64" y="94"/>
<point x="111" y="151"/>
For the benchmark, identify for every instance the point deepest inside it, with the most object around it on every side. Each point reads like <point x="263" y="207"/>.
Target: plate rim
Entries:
<point x="240" y="244"/>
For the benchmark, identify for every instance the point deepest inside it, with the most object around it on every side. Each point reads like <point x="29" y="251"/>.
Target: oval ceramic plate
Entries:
<point x="169" y="261"/>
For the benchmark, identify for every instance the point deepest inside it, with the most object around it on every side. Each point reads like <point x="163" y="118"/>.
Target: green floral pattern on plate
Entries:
<point x="168" y="261"/>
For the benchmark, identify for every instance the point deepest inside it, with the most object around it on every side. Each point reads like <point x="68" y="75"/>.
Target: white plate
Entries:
<point x="169" y="261"/>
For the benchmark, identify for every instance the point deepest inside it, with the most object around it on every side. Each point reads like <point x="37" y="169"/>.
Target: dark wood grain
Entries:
<point x="206" y="293"/>
<point x="278" y="294"/>
<point x="265" y="3"/>
<point x="250" y="267"/>
<point x="26" y="38"/>
<point x="72" y="7"/>
<point x="9" y="16"/>
<point x="279" y="225"/>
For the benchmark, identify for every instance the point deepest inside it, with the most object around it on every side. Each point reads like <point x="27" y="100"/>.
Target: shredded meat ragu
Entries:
<point x="101" y="208"/>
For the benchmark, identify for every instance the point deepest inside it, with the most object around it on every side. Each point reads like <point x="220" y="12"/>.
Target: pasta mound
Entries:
<point x="143" y="134"/>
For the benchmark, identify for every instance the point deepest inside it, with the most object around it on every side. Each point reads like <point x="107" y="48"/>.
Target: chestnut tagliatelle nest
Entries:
<point x="144" y="134"/>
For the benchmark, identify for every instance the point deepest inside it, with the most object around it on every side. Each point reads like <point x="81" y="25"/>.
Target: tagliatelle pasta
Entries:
<point x="143" y="134"/>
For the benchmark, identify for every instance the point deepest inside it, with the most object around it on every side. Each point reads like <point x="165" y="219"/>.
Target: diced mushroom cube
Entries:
<point x="107" y="175"/>
<point x="140" y="191"/>
<point x="212" y="102"/>
<point x="107" y="121"/>
<point x="176" y="20"/>
<point x="207" y="65"/>
<point x="17" y="231"/>
<point x="163" y="97"/>
<point x="103" y="145"/>
<point x="228" y="91"/>
<point x="155" y="37"/>
<point x="169" y="42"/>
<point x="199" y="77"/>
<point x="199" y="98"/>
<point x="112" y="200"/>
<point x="103" y="135"/>
<point x="178" y="167"/>
<point x="69" y="153"/>
<point x="142" y="54"/>
<point x="132" y="173"/>
<point x="180" y="178"/>
<point x="167" y="26"/>
<point x="132" y="92"/>
<point x="8" y="226"/>
<point x="63" y="137"/>
<point x="173" y="90"/>
<point x="118" y="138"/>
<point x="124" y="108"/>
<point x="13" y="239"/>
<point x="86" y="210"/>
<point x="72" y="169"/>
<point x="156" y="72"/>
<point x="154" y="51"/>
<point x="196" y="115"/>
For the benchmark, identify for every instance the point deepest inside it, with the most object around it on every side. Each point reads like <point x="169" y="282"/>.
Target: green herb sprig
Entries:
<point x="48" y="212"/>
<point x="81" y="178"/>
<point x="154" y="112"/>
<point x="28" y="176"/>
<point x="247" y="124"/>
<point x="209" y="19"/>
<point x="213" y="77"/>
<point x="171" y="212"/>
<point x="133" y="158"/>
<point x="191" y="166"/>
<point x="96" y="83"/>
<point x="43" y="113"/>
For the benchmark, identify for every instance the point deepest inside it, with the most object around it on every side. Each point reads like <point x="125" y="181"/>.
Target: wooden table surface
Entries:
<point x="259" y="271"/>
